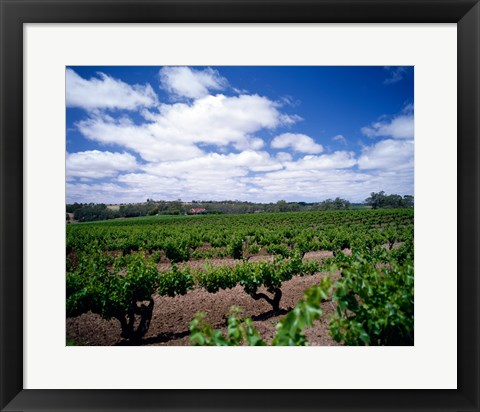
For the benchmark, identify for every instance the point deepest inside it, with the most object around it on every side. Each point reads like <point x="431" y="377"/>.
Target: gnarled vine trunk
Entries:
<point x="128" y="322"/>
<point x="275" y="301"/>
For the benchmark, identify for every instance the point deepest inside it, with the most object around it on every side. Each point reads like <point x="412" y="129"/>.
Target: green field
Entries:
<point x="113" y="266"/>
<point x="218" y="235"/>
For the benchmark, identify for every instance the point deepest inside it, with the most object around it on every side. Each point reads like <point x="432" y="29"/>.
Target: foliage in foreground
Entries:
<point x="96" y="287"/>
<point x="253" y="275"/>
<point x="375" y="299"/>
<point x="289" y="331"/>
<point x="112" y="268"/>
<point x="123" y="287"/>
<point x="374" y="306"/>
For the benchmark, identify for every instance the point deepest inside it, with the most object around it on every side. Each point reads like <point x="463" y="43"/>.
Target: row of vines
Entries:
<point x="182" y="238"/>
<point x="374" y="305"/>
<point x="113" y="270"/>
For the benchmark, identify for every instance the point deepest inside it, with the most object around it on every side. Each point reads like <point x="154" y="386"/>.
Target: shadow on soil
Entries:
<point x="169" y="336"/>
<point x="271" y="314"/>
<point x="160" y="338"/>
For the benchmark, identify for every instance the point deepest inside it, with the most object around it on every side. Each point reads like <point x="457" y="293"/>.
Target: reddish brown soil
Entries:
<point x="171" y="316"/>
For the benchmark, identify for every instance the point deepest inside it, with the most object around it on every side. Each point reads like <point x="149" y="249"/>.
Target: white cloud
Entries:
<point x="298" y="142"/>
<point x="312" y="185"/>
<point x="94" y="164"/>
<point x="300" y="185"/>
<point x="174" y="132"/>
<point x="106" y="92"/>
<point x="336" y="160"/>
<point x="191" y="83"/>
<point x="250" y="175"/>
<point x="284" y="156"/>
<point x="211" y="147"/>
<point x="220" y="119"/>
<point x="103" y="193"/>
<point x="213" y="176"/>
<point x="214" y="164"/>
<point x="309" y="178"/>
<point x="254" y="143"/>
<point x="151" y="184"/>
<point x="313" y="164"/>
<point x="400" y="127"/>
<point x="314" y="178"/>
<point x="339" y="138"/>
<point x="247" y="175"/>
<point x="139" y="138"/>
<point x="388" y="155"/>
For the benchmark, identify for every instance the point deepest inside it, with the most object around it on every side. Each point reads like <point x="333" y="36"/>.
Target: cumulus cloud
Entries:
<point x="105" y="92"/>
<point x="388" y="155"/>
<point x="139" y="138"/>
<point x="175" y="130"/>
<point x="400" y="127"/>
<point x="298" y="142"/>
<point x="219" y="119"/>
<point x="336" y="160"/>
<point x="95" y="164"/>
<point x="221" y="165"/>
<point x="249" y="175"/>
<point x="313" y="164"/>
<point x="191" y="83"/>
<point x="221" y="176"/>
<point x="103" y="193"/>
<point x="201" y="145"/>
<point x="296" y="185"/>
<point x="312" y="184"/>
<point x="284" y="156"/>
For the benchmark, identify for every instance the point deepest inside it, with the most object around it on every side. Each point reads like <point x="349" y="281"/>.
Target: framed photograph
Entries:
<point x="188" y="112"/>
<point x="251" y="133"/>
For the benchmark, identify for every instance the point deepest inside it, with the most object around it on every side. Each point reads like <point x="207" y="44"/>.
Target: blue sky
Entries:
<point x="259" y="134"/>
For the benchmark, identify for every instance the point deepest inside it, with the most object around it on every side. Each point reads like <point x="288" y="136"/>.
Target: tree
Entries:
<point x="72" y="207"/>
<point x="376" y="200"/>
<point x="282" y="206"/>
<point x="340" y="204"/>
<point x="381" y="200"/>
<point x="91" y="212"/>
<point x="408" y="201"/>
<point x="329" y="204"/>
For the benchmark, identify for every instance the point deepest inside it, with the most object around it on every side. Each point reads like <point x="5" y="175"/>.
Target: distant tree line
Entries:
<point x="329" y="204"/>
<point x="87" y="212"/>
<point x="381" y="200"/>
<point x="84" y="212"/>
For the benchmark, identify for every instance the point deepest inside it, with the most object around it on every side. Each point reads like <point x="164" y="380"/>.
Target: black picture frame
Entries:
<point x="14" y="13"/>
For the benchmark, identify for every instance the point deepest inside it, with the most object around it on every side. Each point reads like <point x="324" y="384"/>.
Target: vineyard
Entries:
<point x="339" y="277"/>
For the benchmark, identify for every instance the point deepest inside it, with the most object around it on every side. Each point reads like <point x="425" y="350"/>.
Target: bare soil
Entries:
<point x="172" y="316"/>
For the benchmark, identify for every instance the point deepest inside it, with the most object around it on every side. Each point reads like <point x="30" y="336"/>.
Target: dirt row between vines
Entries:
<point x="172" y="315"/>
